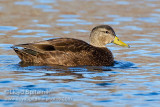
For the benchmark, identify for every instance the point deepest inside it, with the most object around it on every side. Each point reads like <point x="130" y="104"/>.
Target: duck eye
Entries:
<point x="107" y="32"/>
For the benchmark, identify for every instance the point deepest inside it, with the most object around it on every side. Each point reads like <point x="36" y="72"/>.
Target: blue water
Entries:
<point x="133" y="81"/>
<point x="67" y="78"/>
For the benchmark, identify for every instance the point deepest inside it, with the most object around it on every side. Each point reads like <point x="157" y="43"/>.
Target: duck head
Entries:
<point x="104" y="34"/>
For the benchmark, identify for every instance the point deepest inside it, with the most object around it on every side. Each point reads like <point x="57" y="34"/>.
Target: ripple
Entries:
<point x="155" y="14"/>
<point x="43" y="34"/>
<point x="7" y="28"/>
<point x="50" y="38"/>
<point x="123" y="64"/>
<point x="144" y="35"/>
<point x="112" y="23"/>
<point x="70" y="20"/>
<point x="36" y="21"/>
<point x="98" y="17"/>
<point x="113" y="16"/>
<point x="140" y="52"/>
<point x="24" y="36"/>
<point x="42" y="6"/>
<point x="7" y="59"/>
<point x="69" y="16"/>
<point x="81" y="30"/>
<point x="155" y="54"/>
<point x="2" y="34"/>
<point x="123" y="2"/>
<point x="106" y="0"/>
<point x="46" y="1"/>
<point x="46" y="8"/>
<point x="153" y="100"/>
<point x="5" y="81"/>
<point x="50" y="10"/>
<point x="152" y="5"/>
<point x="132" y="28"/>
<point x="30" y="31"/>
<point x="148" y="94"/>
<point x="1" y="8"/>
<point x="77" y="69"/>
<point x="36" y="35"/>
<point x="65" y="24"/>
<point x="5" y="46"/>
<point x="41" y="25"/>
<point x="152" y="0"/>
<point x="148" y="19"/>
<point x="104" y="101"/>
<point x="105" y="84"/>
<point x="29" y="86"/>
<point x="85" y="23"/>
<point x="23" y="3"/>
<point x="123" y="19"/>
<point x="67" y="0"/>
<point x="66" y="32"/>
<point x="157" y="10"/>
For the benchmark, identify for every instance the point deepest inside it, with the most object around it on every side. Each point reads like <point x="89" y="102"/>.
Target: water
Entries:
<point x="132" y="81"/>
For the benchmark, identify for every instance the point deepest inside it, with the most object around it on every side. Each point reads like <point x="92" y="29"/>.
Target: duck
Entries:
<point x="71" y="51"/>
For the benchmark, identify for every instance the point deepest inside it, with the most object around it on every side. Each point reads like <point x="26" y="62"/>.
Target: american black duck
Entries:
<point x="72" y="52"/>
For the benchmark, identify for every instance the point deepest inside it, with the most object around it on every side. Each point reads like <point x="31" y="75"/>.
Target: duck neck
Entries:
<point x="96" y="44"/>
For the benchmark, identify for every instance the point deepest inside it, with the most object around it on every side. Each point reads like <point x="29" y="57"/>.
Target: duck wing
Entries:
<point x="69" y="44"/>
<point x="53" y="45"/>
<point x="63" y="51"/>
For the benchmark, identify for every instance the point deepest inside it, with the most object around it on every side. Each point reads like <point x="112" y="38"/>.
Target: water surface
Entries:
<point x="132" y="81"/>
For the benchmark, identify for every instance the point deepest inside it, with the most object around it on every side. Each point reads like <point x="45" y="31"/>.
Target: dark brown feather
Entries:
<point x="64" y="51"/>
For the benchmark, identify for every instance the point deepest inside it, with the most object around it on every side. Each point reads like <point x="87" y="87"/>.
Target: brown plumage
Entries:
<point x="69" y="51"/>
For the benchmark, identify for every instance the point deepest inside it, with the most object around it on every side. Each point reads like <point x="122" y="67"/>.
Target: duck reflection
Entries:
<point x="100" y="75"/>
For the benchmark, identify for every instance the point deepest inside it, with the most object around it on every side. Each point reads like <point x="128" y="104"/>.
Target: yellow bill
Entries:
<point x="117" y="41"/>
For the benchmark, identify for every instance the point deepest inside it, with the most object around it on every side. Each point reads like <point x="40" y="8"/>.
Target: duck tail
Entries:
<point x="26" y="55"/>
